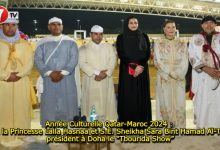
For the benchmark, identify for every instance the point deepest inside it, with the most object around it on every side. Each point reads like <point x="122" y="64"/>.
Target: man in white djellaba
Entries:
<point x="97" y="61"/>
<point x="204" y="52"/>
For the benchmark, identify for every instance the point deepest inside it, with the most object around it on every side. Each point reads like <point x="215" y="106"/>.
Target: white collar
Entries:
<point x="52" y="38"/>
<point x="95" y="44"/>
<point x="56" y="38"/>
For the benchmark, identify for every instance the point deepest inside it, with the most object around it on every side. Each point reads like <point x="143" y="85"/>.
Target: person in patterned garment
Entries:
<point x="204" y="52"/>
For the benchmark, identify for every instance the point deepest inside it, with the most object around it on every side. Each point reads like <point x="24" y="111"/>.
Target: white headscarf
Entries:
<point x="13" y="39"/>
<point x="11" y="20"/>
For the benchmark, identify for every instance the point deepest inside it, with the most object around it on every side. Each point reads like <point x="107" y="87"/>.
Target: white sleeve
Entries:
<point x="195" y="53"/>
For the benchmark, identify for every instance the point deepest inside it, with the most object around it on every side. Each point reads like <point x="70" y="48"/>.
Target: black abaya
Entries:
<point x="134" y="92"/>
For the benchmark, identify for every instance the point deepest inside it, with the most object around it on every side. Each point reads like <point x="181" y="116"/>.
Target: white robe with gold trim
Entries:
<point x="171" y="60"/>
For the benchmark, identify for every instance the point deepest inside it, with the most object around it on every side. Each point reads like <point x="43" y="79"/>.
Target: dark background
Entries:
<point x="111" y="22"/>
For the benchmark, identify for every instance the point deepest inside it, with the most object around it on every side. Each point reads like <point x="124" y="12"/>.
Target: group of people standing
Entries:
<point x="57" y="58"/>
<point x="171" y="59"/>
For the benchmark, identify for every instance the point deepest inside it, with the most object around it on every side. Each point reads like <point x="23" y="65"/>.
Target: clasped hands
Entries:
<point x="102" y="75"/>
<point x="13" y="77"/>
<point x="138" y="70"/>
<point x="56" y="76"/>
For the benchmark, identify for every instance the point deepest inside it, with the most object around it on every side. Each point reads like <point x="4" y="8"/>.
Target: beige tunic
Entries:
<point x="15" y="103"/>
<point x="101" y="94"/>
<point x="171" y="59"/>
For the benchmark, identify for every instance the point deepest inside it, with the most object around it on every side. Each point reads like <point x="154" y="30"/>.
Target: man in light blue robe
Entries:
<point x="56" y="58"/>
